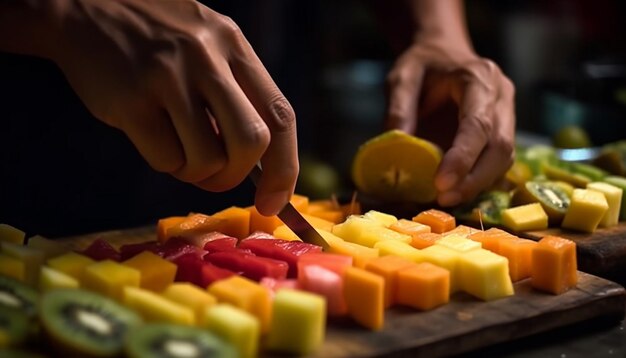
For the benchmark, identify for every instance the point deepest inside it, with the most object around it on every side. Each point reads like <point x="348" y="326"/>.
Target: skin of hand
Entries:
<point x="180" y="80"/>
<point x="442" y="91"/>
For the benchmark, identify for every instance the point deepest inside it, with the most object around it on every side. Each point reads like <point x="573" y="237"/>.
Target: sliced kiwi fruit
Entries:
<point x="16" y="295"/>
<point x="162" y="340"/>
<point x="83" y="323"/>
<point x="554" y="197"/>
<point x="486" y="208"/>
<point x="554" y="172"/>
<point x="15" y="327"/>
<point x="588" y="170"/>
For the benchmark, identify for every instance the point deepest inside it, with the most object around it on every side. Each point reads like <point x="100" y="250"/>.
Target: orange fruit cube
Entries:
<point x="165" y="224"/>
<point x="387" y="267"/>
<point x="519" y="252"/>
<point x="268" y="224"/>
<point x="439" y="221"/>
<point x="424" y="240"/>
<point x="423" y="286"/>
<point x="236" y="221"/>
<point x="554" y="267"/>
<point x="491" y="239"/>
<point x="156" y="272"/>
<point x="364" y="292"/>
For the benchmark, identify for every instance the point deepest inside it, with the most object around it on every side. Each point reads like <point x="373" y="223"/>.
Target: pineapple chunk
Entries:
<point x="363" y="231"/>
<point x="585" y="211"/>
<point x="485" y="275"/>
<point x="525" y="218"/>
<point x="458" y="243"/>
<point x="613" y="197"/>
<point x="384" y="219"/>
<point x="9" y="233"/>
<point x="50" y="279"/>
<point x="399" y="248"/>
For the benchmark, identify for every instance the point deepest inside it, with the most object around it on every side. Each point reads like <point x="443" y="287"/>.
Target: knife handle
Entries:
<point x="255" y="174"/>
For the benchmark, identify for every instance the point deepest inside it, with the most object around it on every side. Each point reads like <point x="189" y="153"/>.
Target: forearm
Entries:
<point x="30" y="26"/>
<point x="440" y="20"/>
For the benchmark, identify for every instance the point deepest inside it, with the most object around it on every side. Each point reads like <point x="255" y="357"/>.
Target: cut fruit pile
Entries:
<point x="215" y="283"/>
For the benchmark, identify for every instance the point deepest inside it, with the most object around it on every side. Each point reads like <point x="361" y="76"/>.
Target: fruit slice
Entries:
<point x="525" y="218"/>
<point x="169" y="340"/>
<point x="554" y="172"/>
<point x="586" y="210"/>
<point x="486" y="209"/>
<point x="554" y="199"/>
<point x="613" y="197"/>
<point x="424" y="240"/>
<point x="554" y="265"/>
<point x="14" y="329"/>
<point x="15" y="295"/>
<point x="155" y="308"/>
<point x="236" y="221"/>
<point x="396" y="166"/>
<point x="249" y="265"/>
<point x="86" y="323"/>
<point x="439" y="221"/>
<point x="409" y="227"/>
<point x="287" y="251"/>
<point x="235" y="326"/>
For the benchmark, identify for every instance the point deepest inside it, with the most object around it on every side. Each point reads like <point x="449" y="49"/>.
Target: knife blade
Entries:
<point x="292" y="218"/>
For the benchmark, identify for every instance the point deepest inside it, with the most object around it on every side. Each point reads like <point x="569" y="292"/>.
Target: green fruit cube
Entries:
<point x="235" y="326"/>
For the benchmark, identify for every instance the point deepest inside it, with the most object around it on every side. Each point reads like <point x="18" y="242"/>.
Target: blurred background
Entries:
<point x="63" y="172"/>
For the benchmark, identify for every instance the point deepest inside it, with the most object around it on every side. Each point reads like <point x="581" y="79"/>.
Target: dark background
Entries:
<point x="62" y="172"/>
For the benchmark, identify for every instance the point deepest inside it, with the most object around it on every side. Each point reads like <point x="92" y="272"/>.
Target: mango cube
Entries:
<point x="71" y="263"/>
<point x="423" y="286"/>
<point x="11" y="234"/>
<point x="109" y="278"/>
<point x="32" y="258"/>
<point x="613" y="196"/>
<point x="525" y="218"/>
<point x="387" y="267"/>
<point x="284" y="232"/>
<point x="384" y="219"/>
<point x="191" y="296"/>
<point x="439" y="221"/>
<point x="360" y="254"/>
<point x="236" y="221"/>
<point x="424" y="240"/>
<point x="587" y="207"/>
<point x="554" y="266"/>
<point x="400" y="249"/>
<point x="519" y="252"/>
<point x="446" y="258"/>
<point x="268" y="224"/>
<point x="458" y="243"/>
<point x="308" y="310"/>
<point x="50" y="279"/>
<point x="156" y="272"/>
<point x="491" y="239"/>
<point x="155" y="308"/>
<point x="366" y="232"/>
<point x="485" y="275"/>
<point x="235" y="326"/>
<point x="409" y="227"/>
<point x="365" y="297"/>
<point x="12" y="267"/>
<point x="461" y="230"/>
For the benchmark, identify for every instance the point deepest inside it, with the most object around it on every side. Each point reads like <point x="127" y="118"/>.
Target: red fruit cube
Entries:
<point x="225" y="243"/>
<point x="189" y="269"/>
<point x="176" y="247"/>
<point x="250" y="266"/>
<point x="201" y="239"/>
<point x="211" y="273"/>
<point x="100" y="250"/>
<point x="130" y="250"/>
<point x="278" y="249"/>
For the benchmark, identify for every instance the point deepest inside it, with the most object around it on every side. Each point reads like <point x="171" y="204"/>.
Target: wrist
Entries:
<point x="455" y="46"/>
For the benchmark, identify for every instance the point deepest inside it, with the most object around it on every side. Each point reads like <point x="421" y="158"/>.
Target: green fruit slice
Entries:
<point x="14" y="328"/>
<point x="172" y="341"/>
<point x="86" y="323"/>
<point x="17" y="296"/>
<point x="486" y="208"/>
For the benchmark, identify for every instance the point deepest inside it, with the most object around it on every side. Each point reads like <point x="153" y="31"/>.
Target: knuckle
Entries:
<point x="483" y="124"/>
<point x="256" y="138"/>
<point x="282" y="117"/>
<point x="229" y="28"/>
<point x="508" y="86"/>
<point x="206" y="167"/>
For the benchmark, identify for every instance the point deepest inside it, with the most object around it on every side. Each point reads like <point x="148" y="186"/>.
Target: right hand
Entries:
<point x="186" y="87"/>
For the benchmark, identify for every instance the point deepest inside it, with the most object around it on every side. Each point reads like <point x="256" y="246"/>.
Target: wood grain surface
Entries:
<point x="462" y="325"/>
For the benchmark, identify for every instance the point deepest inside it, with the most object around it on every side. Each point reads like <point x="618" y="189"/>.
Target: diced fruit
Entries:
<point x="156" y="272"/>
<point x="50" y="248"/>
<point x="423" y="286"/>
<point x="554" y="199"/>
<point x="525" y="218"/>
<point x="165" y="224"/>
<point x="491" y="239"/>
<point x="422" y="241"/>
<point x="194" y="224"/>
<point x="12" y="267"/>
<point x="334" y="262"/>
<point x="458" y="243"/>
<point x="109" y="278"/>
<point x="287" y="251"/>
<point x="31" y="258"/>
<point x="284" y="232"/>
<point x="399" y="249"/>
<point x="273" y="285"/>
<point x="14" y="331"/>
<point x="308" y="310"/>
<point x="327" y="210"/>
<point x="247" y="295"/>
<point x="360" y="254"/>
<point x="193" y="269"/>
<point x="222" y="244"/>
<point x="554" y="266"/>
<point x="235" y="326"/>
<point x="50" y="279"/>
<point x="461" y="230"/>
<point x="519" y="252"/>
<point x="561" y="174"/>
<point x="100" y="250"/>
<point x="387" y="267"/>
<point x="365" y="297"/>
<point x="155" y="308"/>
<point x="268" y="224"/>
<point x="446" y="258"/>
<point x="366" y="232"/>
<point x="71" y="263"/>
<point x="613" y="197"/>
<point x="439" y="221"/>
<point x="619" y="182"/>
<point x="176" y="247"/>
<point x="383" y="218"/>
<point x="211" y="273"/>
<point x="236" y="221"/>
<point x="326" y="283"/>
<point x="486" y="209"/>
<point x="250" y="266"/>
<point x="485" y="275"/>
<point x="409" y="227"/>
<point x="586" y="210"/>
<point x="129" y="250"/>
<point x="9" y="233"/>
<point x="191" y="296"/>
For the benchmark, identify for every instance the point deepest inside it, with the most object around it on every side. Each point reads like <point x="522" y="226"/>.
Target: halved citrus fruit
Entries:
<point x="396" y="166"/>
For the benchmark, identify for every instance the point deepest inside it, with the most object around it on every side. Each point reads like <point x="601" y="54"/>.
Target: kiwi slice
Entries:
<point x="16" y="295"/>
<point x="486" y="208"/>
<point x="170" y="341"/>
<point x="15" y="326"/>
<point x="554" y="172"/>
<point x="554" y="197"/>
<point x="86" y="323"/>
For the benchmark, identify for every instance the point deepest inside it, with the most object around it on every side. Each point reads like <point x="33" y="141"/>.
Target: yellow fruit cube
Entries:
<point x="384" y="219"/>
<point x="400" y="249"/>
<point x="446" y="258"/>
<point x="359" y="253"/>
<point x="525" y="218"/>
<point x="50" y="279"/>
<point x="458" y="243"/>
<point x="485" y="275"/>
<point x="155" y="308"/>
<point x="613" y="196"/>
<point x="12" y="267"/>
<point x="32" y="258"/>
<point x="192" y="296"/>
<point x="9" y="233"/>
<point x="235" y="326"/>
<point x="156" y="272"/>
<point x="109" y="278"/>
<point x="71" y="263"/>
<point x="586" y="209"/>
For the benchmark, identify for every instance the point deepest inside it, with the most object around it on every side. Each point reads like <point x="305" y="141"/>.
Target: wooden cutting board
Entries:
<point x="462" y="325"/>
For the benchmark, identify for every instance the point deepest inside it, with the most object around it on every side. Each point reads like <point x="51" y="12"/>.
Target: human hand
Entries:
<point x="187" y="89"/>
<point x="462" y="102"/>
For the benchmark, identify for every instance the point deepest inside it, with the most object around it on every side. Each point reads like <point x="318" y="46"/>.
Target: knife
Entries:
<point x="292" y="218"/>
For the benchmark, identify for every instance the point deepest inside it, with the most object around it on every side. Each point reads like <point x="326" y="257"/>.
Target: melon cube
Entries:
<point x="439" y="221"/>
<point x="247" y="295"/>
<point x="447" y="259"/>
<point x="334" y="262"/>
<point x="387" y="267"/>
<point x="365" y="297"/>
<point x="32" y="258"/>
<point x="400" y="249"/>
<point x="519" y="252"/>
<point x="424" y="240"/>
<point x="285" y="233"/>
<point x="327" y="209"/>
<point x="50" y="279"/>
<point x="458" y="243"/>
<point x="11" y="234"/>
<point x="71" y="263"/>
<point x="156" y="272"/>
<point x="485" y="275"/>
<point x="326" y="283"/>
<point x="525" y="218"/>
<point x="384" y="219"/>
<point x="12" y="267"/>
<point x="309" y="310"/>
<point x="359" y="253"/>
<point x="409" y="227"/>
<point x="191" y="296"/>
<point x="554" y="266"/>
<point x="109" y="278"/>
<point x="492" y="238"/>
<point x="235" y="326"/>
<point x="423" y="286"/>
<point x="613" y="197"/>
<point x="155" y="308"/>
<point x="587" y="207"/>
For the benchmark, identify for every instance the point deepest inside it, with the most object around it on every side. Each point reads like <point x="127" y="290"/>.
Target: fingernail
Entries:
<point x="272" y="203"/>
<point x="447" y="181"/>
<point x="450" y="198"/>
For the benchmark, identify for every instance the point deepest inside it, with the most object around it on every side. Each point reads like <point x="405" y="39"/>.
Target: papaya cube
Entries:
<point x="439" y="221"/>
<point x="164" y="224"/>
<point x="613" y="197"/>
<point x="71" y="263"/>
<point x="387" y="267"/>
<point x="409" y="227"/>
<point x="50" y="279"/>
<point x="424" y="240"/>
<point x="485" y="275"/>
<point x="445" y="258"/>
<point x="191" y="296"/>
<point x="156" y="272"/>
<point x="384" y="219"/>
<point x="492" y="238"/>
<point x="32" y="258"/>
<point x="284" y="232"/>
<point x="360" y="254"/>
<point x="365" y="297"/>
<point x="525" y="217"/>
<point x="247" y="295"/>
<point x="155" y="308"/>
<point x="193" y="225"/>
<point x="587" y="207"/>
<point x="268" y="224"/>
<point x="458" y="243"/>
<point x="236" y="221"/>
<point x="461" y="230"/>
<point x="400" y="249"/>
<point x="9" y="233"/>
<point x="554" y="265"/>
<point x="12" y="267"/>
<point x="235" y="326"/>
<point x="308" y="310"/>
<point x="519" y="252"/>
<point x="423" y="286"/>
<point x="109" y="278"/>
